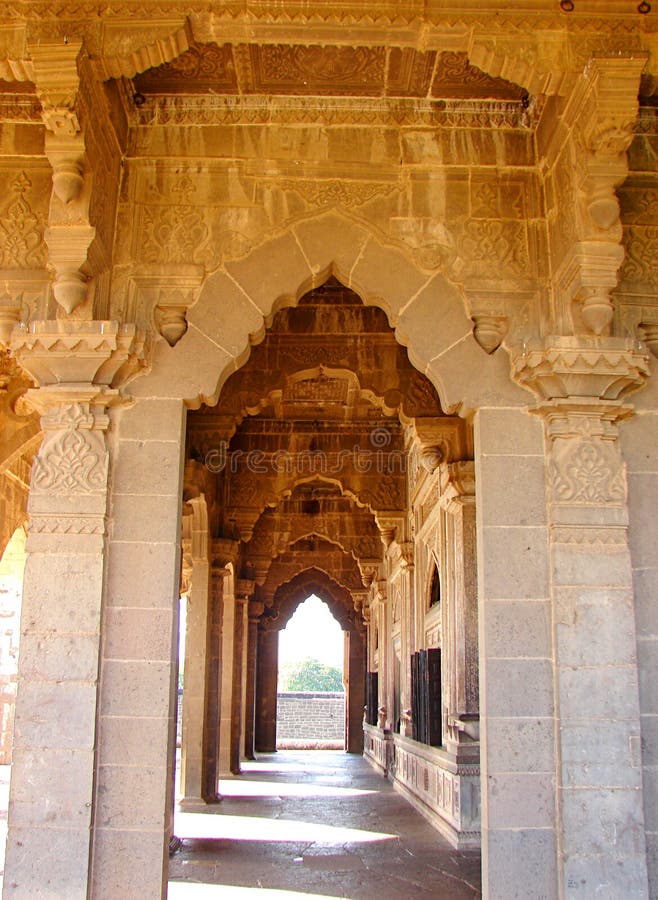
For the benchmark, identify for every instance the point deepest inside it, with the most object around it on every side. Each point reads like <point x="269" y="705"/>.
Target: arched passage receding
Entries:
<point x="287" y="598"/>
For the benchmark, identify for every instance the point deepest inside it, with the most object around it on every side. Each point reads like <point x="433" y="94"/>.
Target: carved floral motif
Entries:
<point x="21" y="229"/>
<point x="587" y="472"/>
<point x="200" y="67"/>
<point x="495" y="247"/>
<point x="338" y="192"/>
<point x="178" y="234"/>
<point x="174" y="228"/>
<point x="331" y="69"/>
<point x="641" y="262"/>
<point x="456" y="77"/>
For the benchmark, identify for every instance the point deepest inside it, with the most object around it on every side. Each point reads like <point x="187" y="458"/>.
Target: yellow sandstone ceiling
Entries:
<point x="315" y="70"/>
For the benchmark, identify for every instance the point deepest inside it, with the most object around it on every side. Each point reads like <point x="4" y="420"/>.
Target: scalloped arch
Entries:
<point x="290" y="594"/>
<point x="427" y="311"/>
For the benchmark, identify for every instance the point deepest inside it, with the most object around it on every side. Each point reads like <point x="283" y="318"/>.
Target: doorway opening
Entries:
<point x="310" y="711"/>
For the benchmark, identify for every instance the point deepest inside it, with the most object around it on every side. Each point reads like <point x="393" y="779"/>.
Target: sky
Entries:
<point x="312" y="631"/>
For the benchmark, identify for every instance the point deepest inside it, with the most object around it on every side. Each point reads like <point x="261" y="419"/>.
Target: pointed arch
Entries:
<point x="237" y="302"/>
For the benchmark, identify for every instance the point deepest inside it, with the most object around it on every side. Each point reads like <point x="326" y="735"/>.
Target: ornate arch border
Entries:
<point x="236" y="303"/>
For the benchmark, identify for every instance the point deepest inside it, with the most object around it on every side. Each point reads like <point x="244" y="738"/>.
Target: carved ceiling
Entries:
<point x="298" y="70"/>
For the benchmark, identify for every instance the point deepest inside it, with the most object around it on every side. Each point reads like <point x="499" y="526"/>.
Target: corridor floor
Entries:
<point x="315" y="824"/>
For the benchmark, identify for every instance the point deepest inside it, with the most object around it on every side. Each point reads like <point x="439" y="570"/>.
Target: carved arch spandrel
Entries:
<point x="301" y="258"/>
<point x="344" y="570"/>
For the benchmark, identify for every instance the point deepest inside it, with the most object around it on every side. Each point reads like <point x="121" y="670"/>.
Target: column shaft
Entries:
<point x="138" y="694"/>
<point x="52" y="785"/>
<point x="266" y="688"/>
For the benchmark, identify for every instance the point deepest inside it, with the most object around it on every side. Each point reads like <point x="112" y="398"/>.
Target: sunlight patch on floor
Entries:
<point x="184" y="890"/>
<point x="294" y="766"/>
<point x="253" y="828"/>
<point x="241" y="787"/>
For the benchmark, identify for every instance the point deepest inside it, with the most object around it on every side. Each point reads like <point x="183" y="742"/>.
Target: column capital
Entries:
<point x="244" y="588"/>
<point x="457" y="484"/>
<point x="55" y="67"/>
<point x="590" y="373"/>
<point x="256" y="610"/>
<point x="224" y="551"/>
<point x="441" y="438"/>
<point x="76" y="362"/>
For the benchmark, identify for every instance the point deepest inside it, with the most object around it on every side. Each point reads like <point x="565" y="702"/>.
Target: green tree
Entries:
<point x="311" y="675"/>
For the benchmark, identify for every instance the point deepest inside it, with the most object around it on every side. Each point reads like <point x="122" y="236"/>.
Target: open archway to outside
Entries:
<point x="311" y="690"/>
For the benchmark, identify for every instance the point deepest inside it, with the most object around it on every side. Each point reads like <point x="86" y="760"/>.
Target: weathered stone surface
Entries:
<point x="187" y="209"/>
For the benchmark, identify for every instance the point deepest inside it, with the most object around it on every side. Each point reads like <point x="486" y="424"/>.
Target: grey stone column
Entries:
<point x="582" y="383"/>
<point x="639" y="437"/>
<point x="139" y="664"/>
<point x="51" y="801"/>
<point x="600" y="777"/>
<point x="461" y="694"/>
<point x="52" y="807"/>
<point x="196" y="657"/>
<point x="517" y="714"/>
<point x="255" y="611"/>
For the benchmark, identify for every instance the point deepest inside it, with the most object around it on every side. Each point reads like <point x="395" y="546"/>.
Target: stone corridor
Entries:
<point x="320" y="823"/>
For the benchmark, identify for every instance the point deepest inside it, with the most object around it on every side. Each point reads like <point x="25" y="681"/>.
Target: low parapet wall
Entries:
<point x="310" y="719"/>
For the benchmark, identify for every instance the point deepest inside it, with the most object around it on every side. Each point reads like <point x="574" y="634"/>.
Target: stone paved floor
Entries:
<point x="320" y="824"/>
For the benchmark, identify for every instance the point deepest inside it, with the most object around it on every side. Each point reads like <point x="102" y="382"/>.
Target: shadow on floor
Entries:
<point x="320" y="823"/>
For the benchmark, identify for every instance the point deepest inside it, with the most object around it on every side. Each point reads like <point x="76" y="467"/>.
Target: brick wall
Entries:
<point x="310" y="717"/>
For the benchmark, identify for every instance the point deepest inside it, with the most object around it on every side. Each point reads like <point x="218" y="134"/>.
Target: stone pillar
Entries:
<point x="255" y="612"/>
<point x="640" y="450"/>
<point x="267" y="673"/>
<point x="196" y="657"/>
<point x="227" y="674"/>
<point x="384" y="677"/>
<point x="213" y="682"/>
<point x="461" y="695"/>
<point x="139" y="666"/>
<point x="245" y="588"/>
<point x="600" y="806"/>
<point x="517" y="725"/>
<point x="51" y="818"/>
<point x="355" y="691"/>
<point x="401" y="586"/>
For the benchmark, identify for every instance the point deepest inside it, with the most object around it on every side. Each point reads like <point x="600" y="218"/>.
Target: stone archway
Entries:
<point x="287" y="598"/>
<point x="237" y="302"/>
